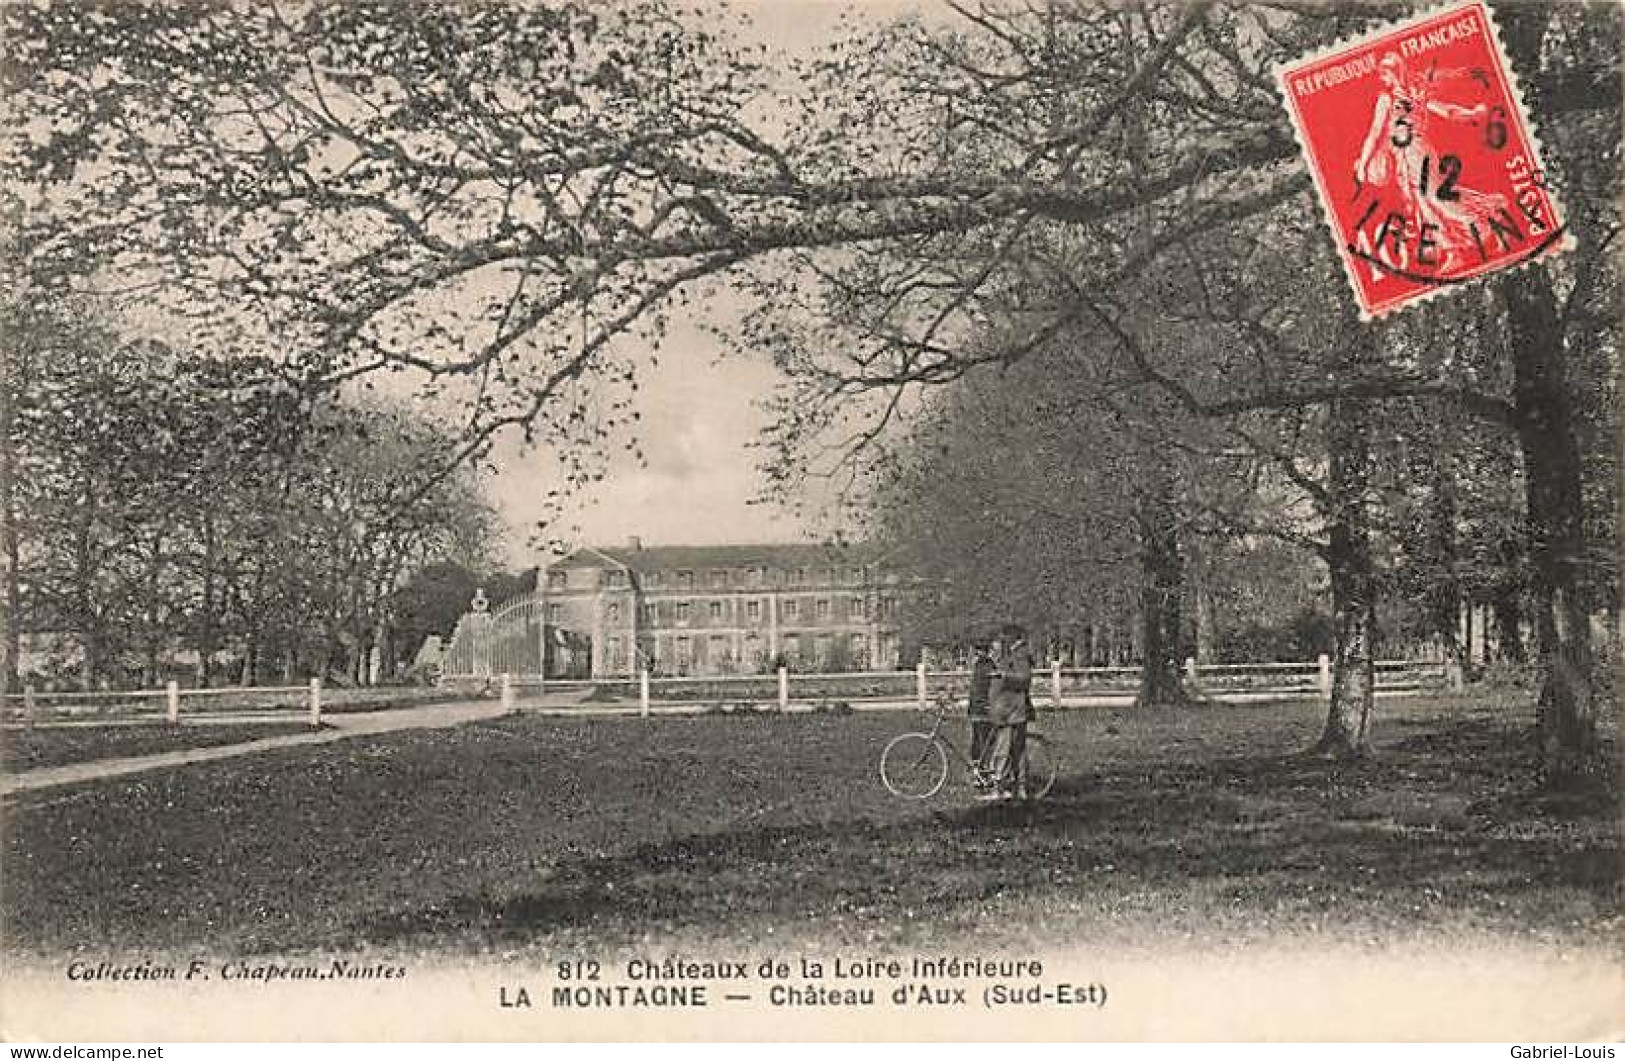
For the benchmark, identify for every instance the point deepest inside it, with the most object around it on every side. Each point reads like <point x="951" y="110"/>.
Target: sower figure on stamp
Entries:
<point x="981" y="730"/>
<point x="1011" y="707"/>
<point x="1399" y="152"/>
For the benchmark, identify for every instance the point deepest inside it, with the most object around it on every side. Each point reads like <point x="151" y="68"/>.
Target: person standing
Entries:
<point x="1011" y="706"/>
<point x="981" y="693"/>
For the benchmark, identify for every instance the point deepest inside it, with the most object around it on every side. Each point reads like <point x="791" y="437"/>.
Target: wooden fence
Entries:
<point x="311" y="701"/>
<point x="1055" y="686"/>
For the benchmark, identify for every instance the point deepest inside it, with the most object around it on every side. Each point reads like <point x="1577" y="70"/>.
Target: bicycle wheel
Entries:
<point x="914" y="766"/>
<point x="1037" y="774"/>
<point x="1039" y="767"/>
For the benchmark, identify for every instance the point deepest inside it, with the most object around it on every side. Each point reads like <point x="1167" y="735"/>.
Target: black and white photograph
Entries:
<point x="802" y="520"/>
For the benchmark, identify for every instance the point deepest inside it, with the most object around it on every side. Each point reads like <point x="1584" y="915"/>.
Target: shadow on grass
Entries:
<point x="1441" y="826"/>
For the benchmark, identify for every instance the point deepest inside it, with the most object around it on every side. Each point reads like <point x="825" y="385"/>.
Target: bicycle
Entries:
<point x="915" y="765"/>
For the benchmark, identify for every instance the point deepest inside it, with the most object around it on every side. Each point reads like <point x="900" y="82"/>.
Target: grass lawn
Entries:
<point x="24" y="749"/>
<point x="1196" y="826"/>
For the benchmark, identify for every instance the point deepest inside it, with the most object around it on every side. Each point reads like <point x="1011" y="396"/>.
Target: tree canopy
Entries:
<point x="483" y="198"/>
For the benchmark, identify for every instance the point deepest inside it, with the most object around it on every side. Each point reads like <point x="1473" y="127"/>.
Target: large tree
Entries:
<point x="488" y="195"/>
<point x="160" y="500"/>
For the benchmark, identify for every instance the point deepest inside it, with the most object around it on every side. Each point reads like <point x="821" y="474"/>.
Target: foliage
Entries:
<point x="484" y="199"/>
<point x="168" y="500"/>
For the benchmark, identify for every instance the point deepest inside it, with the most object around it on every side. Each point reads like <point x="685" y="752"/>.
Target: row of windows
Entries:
<point x="652" y="614"/>
<point x="717" y="652"/>
<point x="724" y="578"/>
<point x="754" y="611"/>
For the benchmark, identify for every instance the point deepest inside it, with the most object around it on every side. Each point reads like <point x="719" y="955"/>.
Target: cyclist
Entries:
<point x="1011" y="706"/>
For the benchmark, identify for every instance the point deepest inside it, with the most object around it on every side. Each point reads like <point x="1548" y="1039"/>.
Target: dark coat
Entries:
<point x="1012" y="692"/>
<point x="981" y="684"/>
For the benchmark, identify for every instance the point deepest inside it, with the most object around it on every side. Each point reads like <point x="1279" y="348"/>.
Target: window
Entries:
<point x="554" y="613"/>
<point x="821" y="609"/>
<point x="753" y="611"/>
<point x="719" y="579"/>
<point x="801" y="576"/>
<point x="886" y="604"/>
<point x="716" y="611"/>
<point x="557" y="579"/>
<point x="758" y="575"/>
<point x="651" y="580"/>
<point x="685" y="580"/>
<point x="860" y="651"/>
<point x="682" y="612"/>
<point x="790" y="608"/>
<point x="615" y="578"/>
<point x="792" y="647"/>
<point x="617" y="660"/>
<point x="650" y="614"/>
<point x="614" y="611"/>
<point x="827" y="575"/>
<point x="860" y="608"/>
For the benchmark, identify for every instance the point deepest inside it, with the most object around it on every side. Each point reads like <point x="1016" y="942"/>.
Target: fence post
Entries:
<point x="1452" y="674"/>
<point x="172" y="696"/>
<point x="507" y="692"/>
<point x="28" y="705"/>
<point x="919" y="683"/>
<point x="643" y="692"/>
<point x="1190" y="669"/>
<point x="1055" y="682"/>
<point x="784" y="688"/>
<point x="315" y="701"/>
<point x="1325" y="676"/>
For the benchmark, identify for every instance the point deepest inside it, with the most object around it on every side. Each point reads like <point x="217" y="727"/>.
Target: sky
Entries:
<point x="700" y="412"/>
<point x="698" y="482"/>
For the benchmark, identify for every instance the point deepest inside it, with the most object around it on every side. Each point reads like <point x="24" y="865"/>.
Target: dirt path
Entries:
<point x="344" y="726"/>
<point x="437" y="716"/>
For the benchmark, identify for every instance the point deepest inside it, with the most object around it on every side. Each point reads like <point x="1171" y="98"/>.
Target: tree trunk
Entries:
<point x="381" y="645"/>
<point x="84" y="595"/>
<point x="207" y="636"/>
<point x="1443" y="592"/>
<point x="154" y="633"/>
<point x="1566" y="720"/>
<point x="250" y="652"/>
<point x="1162" y="589"/>
<point x="1354" y="605"/>
<point x="10" y="379"/>
<point x="1202" y="596"/>
<point x="1508" y="612"/>
<point x="1544" y="414"/>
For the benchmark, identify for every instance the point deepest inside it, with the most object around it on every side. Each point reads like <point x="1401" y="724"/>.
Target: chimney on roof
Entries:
<point x="634" y="543"/>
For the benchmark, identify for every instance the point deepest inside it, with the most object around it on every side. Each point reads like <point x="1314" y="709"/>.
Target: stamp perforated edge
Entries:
<point x="1514" y="91"/>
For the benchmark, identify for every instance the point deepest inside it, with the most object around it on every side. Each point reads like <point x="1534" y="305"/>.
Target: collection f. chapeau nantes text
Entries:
<point x="676" y="982"/>
<point x="235" y="971"/>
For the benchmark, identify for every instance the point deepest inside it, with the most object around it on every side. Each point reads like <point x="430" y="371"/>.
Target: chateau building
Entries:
<point x="718" y="609"/>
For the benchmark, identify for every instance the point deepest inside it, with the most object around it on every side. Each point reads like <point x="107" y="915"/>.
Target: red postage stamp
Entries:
<point x="1423" y="156"/>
